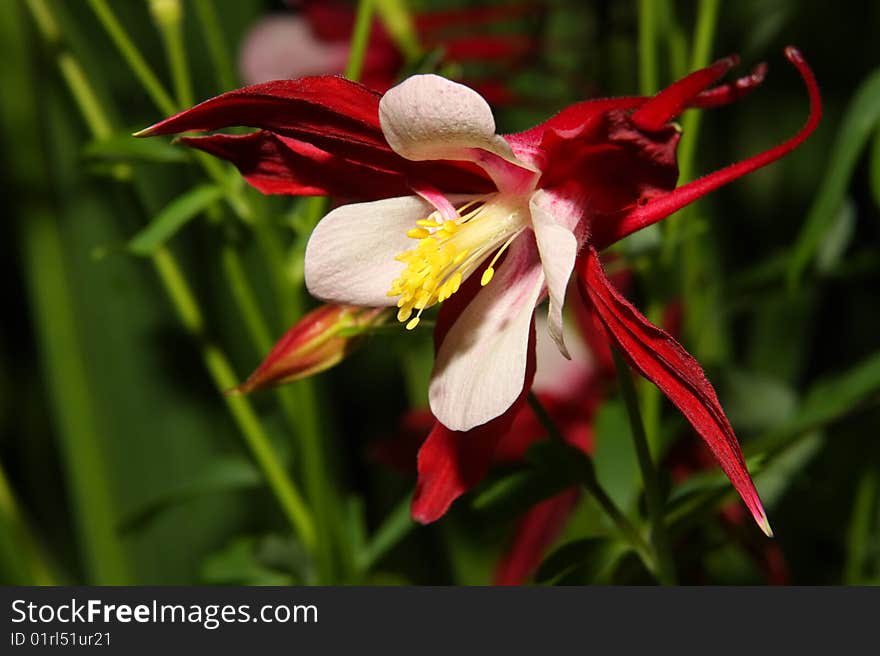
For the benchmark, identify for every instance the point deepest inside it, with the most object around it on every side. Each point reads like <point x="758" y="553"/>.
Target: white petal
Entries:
<point x="427" y="117"/>
<point x="430" y="117"/>
<point x="558" y="248"/>
<point x="350" y="255"/>
<point x="480" y="367"/>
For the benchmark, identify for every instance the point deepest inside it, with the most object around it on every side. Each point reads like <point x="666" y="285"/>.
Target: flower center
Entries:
<point x="448" y="251"/>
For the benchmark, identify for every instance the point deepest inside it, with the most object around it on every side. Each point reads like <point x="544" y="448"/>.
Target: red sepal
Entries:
<point x="663" y="361"/>
<point x="655" y="209"/>
<point x="324" y="118"/>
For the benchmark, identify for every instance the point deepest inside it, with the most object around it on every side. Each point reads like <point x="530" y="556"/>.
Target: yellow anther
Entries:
<point x="448" y="250"/>
<point x="422" y="300"/>
<point x="418" y="233"/>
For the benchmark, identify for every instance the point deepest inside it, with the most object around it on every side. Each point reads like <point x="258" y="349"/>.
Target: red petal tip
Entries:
<point x="764" y="525"/>
<point x="662" y="207"/>
<point x="671" y="101"/>
<point x="794" y="55"/>
<point x="759" y="73"/>
<point x="420" y="517"/>
<point x="730" y="61"/>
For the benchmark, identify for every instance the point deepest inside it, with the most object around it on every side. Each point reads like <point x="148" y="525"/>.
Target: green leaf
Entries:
<point x="551" y="467"/>
<point x="220" y="475"/>
<point x="125" y="148"/>
<point x="757" y="402"/>
<point x="172" y="218"/>
<point x="863" y="522"/>
<point x="774" y="480"/>
<point x="587" y="560"/>
<point x="858" y="124"/>
<point x="826" y="401"/>
<point x="617" y="466"/>
<point x="778" y="456"/>
<point x="239" y="563"/>
<point x="875" y="169"/>
<point x="708" y="482"/>
<point x="397" y="525"/>
<point x="840" y="234"/>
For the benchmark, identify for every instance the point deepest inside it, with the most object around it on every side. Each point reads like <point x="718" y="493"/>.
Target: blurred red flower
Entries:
<point x="315" y="40"/>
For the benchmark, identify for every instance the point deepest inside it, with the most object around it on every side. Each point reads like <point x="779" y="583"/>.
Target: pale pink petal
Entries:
<point x="427" y="117"/>
<point x="554" y="224"/>
<point x="438" y="199"/>
<point x="350" y="255"/>
<point x="481" y="363"/>
<point x="556" y="375"/>
<point x="283" y="46"/>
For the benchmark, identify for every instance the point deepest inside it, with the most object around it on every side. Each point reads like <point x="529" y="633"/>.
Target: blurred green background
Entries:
<point x="123" y="464"/>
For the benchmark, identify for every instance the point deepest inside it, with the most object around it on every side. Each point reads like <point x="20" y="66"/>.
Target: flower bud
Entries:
<point x="318" y="341"/>
<point x="166" y="12"/>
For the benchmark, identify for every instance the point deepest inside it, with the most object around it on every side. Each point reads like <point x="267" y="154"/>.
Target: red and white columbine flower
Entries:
<point x="489" y="224"/>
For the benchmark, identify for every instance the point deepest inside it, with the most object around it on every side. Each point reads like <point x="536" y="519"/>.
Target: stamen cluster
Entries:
<point x="448" y="251"/>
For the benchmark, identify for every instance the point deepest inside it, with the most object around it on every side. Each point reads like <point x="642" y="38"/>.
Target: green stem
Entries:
<point x="864" y="515"/>
<point x="81" y="438"/>
<point x="676" y="41"/>
<point x="314" y="469"/>
<point x="132" y="56"/>
<point x="242" y="411"/>
<point x="168" y="16"/>
<point x="397" y="525"/>
<point x="189" y="313"/>
<point x="651" y="398"/>
<point x="704" y="35"/>
<point x="359" y="39"/>
<point x="653" y="496"/>
<point x="33" y="555"/>
<point x="544" y="417"/>
<point x="75" y="78"/>
<point x="298" y="402"/>
<point x="246" y="300"/>
<point x="593" y="487"/>
<point x="648" y="75"/>
<point x="218" y="47"/>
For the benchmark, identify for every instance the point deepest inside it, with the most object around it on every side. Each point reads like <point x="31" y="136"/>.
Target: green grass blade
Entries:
<point x="857" y="127"/>
<point x="171" y="219"/>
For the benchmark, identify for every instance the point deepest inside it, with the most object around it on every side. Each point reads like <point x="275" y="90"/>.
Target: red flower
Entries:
<point x="316" y="41"/>
<point x="589" y="176"/>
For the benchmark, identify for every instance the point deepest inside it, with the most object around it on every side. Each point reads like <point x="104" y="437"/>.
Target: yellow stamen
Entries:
<point x="448" y="251"/>
<point x="490" y="270"/>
